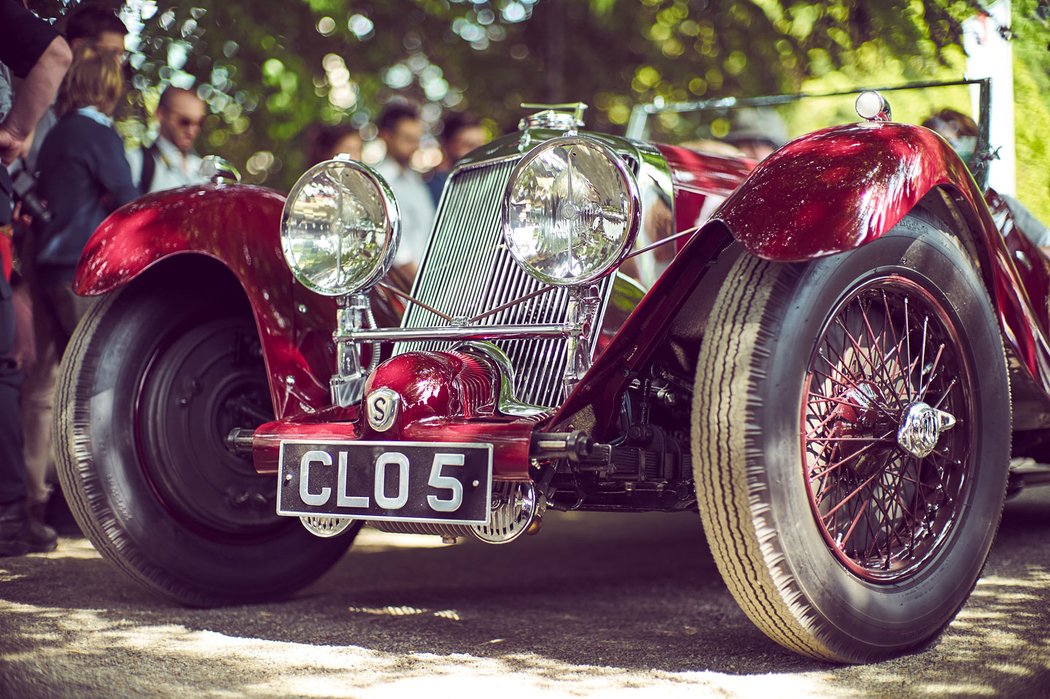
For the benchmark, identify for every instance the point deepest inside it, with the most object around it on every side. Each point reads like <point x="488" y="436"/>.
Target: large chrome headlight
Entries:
<point x="340" y="228"/>
<point x="571" y="210"/>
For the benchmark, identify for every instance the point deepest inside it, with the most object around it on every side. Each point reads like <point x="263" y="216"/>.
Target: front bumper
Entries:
<point x="443" y="397"/>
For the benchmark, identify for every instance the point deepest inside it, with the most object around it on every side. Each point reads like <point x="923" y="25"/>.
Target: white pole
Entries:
<point x="990" y="55"/>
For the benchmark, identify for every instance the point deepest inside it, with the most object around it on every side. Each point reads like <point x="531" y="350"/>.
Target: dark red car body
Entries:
<point x="811" y="212"/>
<point x="824" y="193"/>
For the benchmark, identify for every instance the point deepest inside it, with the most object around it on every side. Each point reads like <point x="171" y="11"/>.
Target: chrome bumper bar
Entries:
<point x="462" y="332"/>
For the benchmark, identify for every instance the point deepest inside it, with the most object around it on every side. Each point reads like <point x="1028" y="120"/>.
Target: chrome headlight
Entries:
<point x="340" y="228"/>
<point x="571" y="210"/>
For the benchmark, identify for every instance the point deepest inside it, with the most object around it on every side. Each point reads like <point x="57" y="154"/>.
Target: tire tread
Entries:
<point x="720" y="398"/>
<point x="87" y="493"/>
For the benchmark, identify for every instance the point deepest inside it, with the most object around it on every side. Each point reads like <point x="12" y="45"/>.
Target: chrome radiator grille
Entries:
<point x="467" y="270"/>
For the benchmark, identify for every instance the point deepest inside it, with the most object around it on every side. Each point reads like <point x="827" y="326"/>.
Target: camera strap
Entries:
<point x="149" y="167"/>
<point x="6" y="196"/>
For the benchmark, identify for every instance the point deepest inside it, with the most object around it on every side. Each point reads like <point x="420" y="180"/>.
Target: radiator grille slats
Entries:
<point x="467" y="270"/>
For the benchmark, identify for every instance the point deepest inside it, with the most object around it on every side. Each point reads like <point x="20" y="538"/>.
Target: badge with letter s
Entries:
<point x="382" y="405"/>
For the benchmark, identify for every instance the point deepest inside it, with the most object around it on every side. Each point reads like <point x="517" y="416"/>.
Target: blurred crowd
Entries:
<point x="66" y="168"/>
<point x="401" y="131"/>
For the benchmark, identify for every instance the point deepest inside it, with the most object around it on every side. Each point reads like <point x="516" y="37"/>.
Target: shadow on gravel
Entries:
<point x="639" y="593"/>
<point x="999" y="644"/>
<point x="618" y="597"/>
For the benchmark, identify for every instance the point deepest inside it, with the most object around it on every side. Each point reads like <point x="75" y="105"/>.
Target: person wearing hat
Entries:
<point x="757" y="132"/>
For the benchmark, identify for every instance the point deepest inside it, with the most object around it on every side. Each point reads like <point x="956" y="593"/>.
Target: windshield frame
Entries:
<point x="638" y="125"/>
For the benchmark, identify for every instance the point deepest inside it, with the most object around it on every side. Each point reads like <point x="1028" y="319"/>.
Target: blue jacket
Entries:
<point x="83" y="177"/>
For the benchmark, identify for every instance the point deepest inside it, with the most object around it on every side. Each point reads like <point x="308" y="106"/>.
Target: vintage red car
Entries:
<point x="829" y="369"/>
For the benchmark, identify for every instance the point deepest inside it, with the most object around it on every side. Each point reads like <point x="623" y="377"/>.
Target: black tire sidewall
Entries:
<point x="866" y="615"/>
<point x="179" y="560"/>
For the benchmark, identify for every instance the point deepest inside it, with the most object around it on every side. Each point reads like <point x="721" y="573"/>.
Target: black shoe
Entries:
<point x="58" y="516"/>
<point x="21" y="534"/>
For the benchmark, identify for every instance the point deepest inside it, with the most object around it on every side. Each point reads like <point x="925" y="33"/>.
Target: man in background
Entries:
<point x="171" y="160"/>
<point x="98" y="26"/>
<point x="31" y="50"/>
<point x="401" y="130"/>
<point x="325" y="141"/>
<point x="461" y="134"/>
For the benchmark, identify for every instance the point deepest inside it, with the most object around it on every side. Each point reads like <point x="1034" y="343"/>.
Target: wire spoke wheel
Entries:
<point x="851" y="438"/>
<point x="883" y="510"/>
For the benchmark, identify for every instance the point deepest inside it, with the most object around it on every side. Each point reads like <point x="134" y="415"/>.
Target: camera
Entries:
<point x="24" y="191"/>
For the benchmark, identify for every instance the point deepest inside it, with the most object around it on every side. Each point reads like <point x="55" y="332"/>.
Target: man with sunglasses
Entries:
<point x="171" y="161"/>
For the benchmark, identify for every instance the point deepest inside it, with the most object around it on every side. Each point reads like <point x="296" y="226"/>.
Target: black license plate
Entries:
<point x="449" y="483"/>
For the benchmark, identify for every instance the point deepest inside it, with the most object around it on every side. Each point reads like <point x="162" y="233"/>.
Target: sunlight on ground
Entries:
<point x="263" y="668"/>
<point x="70" y="548"/>
<point x="274" y="668"/>
<point x="372" y="541"/>
<point x="450" y="614"/>
<point x="417" y="642"/>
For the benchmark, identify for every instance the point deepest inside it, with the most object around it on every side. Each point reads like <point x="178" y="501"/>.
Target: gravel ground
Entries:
<point x="595" y="605"/>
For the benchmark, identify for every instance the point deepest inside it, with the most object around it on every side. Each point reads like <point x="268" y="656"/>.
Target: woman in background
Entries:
<point x="84" y="176"/>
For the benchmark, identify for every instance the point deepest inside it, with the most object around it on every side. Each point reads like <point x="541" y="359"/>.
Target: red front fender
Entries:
<point x="837" y="189"/>
<point x="239" y="226"/>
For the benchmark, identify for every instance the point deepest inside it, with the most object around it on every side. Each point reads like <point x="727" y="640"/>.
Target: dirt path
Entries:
<point x="596" y="605"/>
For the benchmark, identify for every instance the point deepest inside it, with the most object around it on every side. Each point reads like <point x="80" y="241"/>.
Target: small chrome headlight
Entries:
<point x="340" y="228"/>
<point x="571" y="210"/>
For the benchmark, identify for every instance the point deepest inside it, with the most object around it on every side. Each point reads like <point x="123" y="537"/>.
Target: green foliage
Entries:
<point x="1032" y="104"/>
<point x="270" y="68"/>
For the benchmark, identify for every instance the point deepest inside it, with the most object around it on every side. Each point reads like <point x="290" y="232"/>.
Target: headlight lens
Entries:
<point x="571" y="210"/>
<point x="340" y="228"/>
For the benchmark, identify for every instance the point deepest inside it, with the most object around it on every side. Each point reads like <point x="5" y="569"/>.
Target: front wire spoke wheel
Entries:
<point x="851" y="437"/>
<point x="882" y="510"/>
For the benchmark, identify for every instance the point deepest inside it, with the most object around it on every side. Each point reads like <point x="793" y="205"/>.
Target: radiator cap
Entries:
<point x="560" y="117"/>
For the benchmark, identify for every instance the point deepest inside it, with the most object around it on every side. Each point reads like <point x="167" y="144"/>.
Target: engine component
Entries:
<point x="326" y="527"/>
<point x="573" y="446"/>
<point x="517" y="508"/>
